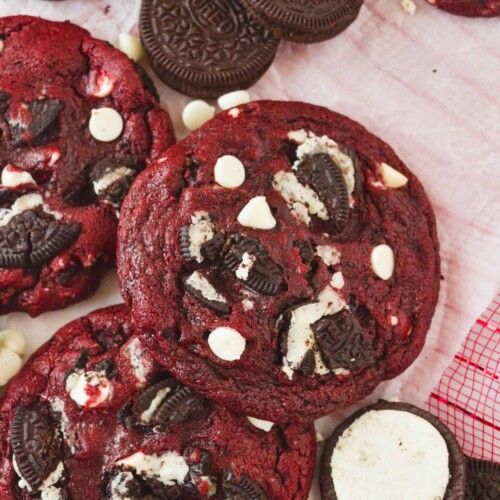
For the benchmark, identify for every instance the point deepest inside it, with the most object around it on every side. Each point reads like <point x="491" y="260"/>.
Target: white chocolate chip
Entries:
<point x="233" y="99"/>
<point x="104" y="86"/>
<point x="105" y="124"/>
<point x="130" y="45"/>
<point x="257" y="214"/>
<point x="264" y="425"/>
<point x="196" y="113"/>
<point x="394" y="320"/>
<point x="15" y="341"/>
<point x="391" y="177"/>
<point x="234" y="113"/>
<point x="337" y="281"/>
<point x="79" y="381"/>
<point x="226" y="343"/>
<point x="10" y="364"/>
<point x="13" y="177"/>
<point x="382" y="260"/>
<point x="229" y="172"/>
<point x="409" y="6"/>
<point x="328" y="254"/>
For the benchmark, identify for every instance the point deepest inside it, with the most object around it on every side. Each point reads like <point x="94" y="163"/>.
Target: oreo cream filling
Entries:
<point x="47" y="490"/>
<point x="23" y="203"/>
<point x="390" y="455"/>
<point x="200" y="231"/>
<point x="168" y="468"/>
<point x="300" y="338"/>
<point x="201" y="284"/>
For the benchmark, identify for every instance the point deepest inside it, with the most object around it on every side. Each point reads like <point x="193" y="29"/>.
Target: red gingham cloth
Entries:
<point x="467" y="396"/>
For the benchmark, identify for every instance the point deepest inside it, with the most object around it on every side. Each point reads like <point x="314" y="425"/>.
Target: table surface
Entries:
<point x="428" y="84"/>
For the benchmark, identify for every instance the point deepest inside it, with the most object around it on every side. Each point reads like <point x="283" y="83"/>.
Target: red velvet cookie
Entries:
<point x="470" y="8"/>
<point x="282" y="260"/>
<point x="77" y="122"/>
<point x="92" y="416"/>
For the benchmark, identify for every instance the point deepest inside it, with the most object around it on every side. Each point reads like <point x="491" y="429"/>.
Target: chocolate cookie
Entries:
<point x="300" y="288"/>
<point x="392" y="451"/>
<point x="77" y="123"/>
<point x="470" y="8"/>
<point x="305" y="21"/>
<point x="483" y="480"/>
<point x="205" y="48"/>
<point x="92" y="416"/>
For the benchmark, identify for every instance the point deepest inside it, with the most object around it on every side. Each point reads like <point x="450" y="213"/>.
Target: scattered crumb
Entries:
<point x="106" y="10"/>
<point x="409" y="6"/>
<point x="434" y="70"/>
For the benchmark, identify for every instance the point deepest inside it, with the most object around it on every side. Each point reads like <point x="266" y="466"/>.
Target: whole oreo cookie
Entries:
<point x="392" y="451"/>
<point x="469" y="8"/>
<point x="300" y="288"/>
<point x="483" y="480"/>
<point x="78" y="121"/>
<point x="305" y="21"/>
<point x="205" y="48"/>
<point x="92" y="416"/>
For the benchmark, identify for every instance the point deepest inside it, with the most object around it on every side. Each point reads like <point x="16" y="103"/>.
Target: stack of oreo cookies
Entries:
<point x="204" y="48"/>
<point x="276" y="265"/>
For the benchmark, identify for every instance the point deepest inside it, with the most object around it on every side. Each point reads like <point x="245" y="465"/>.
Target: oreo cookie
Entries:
<point x="483" y="480"/>
<point x="305" y="21"/>
<point x="33" y="237"/>
<point x="225" y="49"/>
<point x="386" y="450"/>
<point x="240" y="488"/>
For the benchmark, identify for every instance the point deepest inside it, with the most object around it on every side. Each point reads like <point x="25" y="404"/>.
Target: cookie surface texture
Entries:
<point x="92" y="416"/>
<point x="77" y="124"/>
<point x="301" y="289"/>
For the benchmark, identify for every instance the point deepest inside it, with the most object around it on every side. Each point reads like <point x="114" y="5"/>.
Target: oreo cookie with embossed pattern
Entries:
<point x="483" y="480"/>
<point x="393" y="450"/>
<point x="295" y="292"/>
<point x="305" y="21"/>
<point x="205" y="48"/>
<point x="469" y="8"/>
<point x="61" y="182"/>
<point x="92" y="416"/>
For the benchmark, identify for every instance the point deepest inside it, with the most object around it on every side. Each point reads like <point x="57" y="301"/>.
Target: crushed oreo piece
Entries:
<point x="44" y="114"/>
<point x="4" y="101"/>
<point x="33" y="238"/>
<point x="213" y="249"/>
<point x="240" y="488"/>
<point x="201" y="289"/>
<point x="306" y="250"/>
<point x="200" y="461"/>
<point x="36" y="444"/>
<point x="264" y="276"/>
<point x="182" y="405"/>
<point x="166" y="402"/>
<point x="342" y="342"/>
<point x="66" y="275"/>
<point x="321" y="174"/>
<point x="112" y="178"/>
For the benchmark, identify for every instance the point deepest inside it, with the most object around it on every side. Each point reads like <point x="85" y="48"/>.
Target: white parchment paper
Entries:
<point x="429" y="85"/>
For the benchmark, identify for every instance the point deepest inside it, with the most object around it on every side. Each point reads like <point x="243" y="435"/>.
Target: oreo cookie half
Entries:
<point x="205" y="48"/>
<point x="387" y="450"/>
<point x="483" y="480"/>
<point x="305" y="21"/>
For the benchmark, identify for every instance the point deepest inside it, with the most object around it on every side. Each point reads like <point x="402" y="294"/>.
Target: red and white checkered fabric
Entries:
<point x="467" y="397"/>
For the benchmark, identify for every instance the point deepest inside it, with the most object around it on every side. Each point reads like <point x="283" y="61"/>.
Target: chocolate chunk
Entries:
<point x="33" y="238"/>
<point x="44" y="113"/>
<point x="113" y="190"/>
<point x="263" y="275"/>
<point x="322" y="175"/>
<point x="36" y="444"/>
<point x="176" y="404"/>
<point x="4" y="101"/>
<point x="482" y="480"/>
<point x="240" y="488"/>
<point x="201" y="289"/>
<point x="305" y="21"/>
<point x="342" y="342"/>
<point x="225" y="50"/>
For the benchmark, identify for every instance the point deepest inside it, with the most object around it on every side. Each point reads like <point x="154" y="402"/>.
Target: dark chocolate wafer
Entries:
<point x="305" y="21"/>
<point x="483" y="480"/>
<point x="204" y="48"/>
